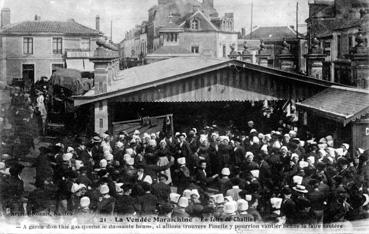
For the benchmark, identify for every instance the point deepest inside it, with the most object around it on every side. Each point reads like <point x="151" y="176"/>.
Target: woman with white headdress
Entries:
<point x="164" y="154"/>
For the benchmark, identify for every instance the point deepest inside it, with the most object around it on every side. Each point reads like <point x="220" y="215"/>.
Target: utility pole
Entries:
<point x="297" y="19"/>
<point x="111" y="30"/>
<point x="252" y="13"/>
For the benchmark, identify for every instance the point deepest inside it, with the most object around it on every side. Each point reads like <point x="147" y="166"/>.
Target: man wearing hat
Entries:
<point x="288" y="207"/>
<point x="183" y="150"/>
<point x="161" y="190"/>
<point x="202" y="178"/>
<point x="125" y="204"/>
<point x="13" y="190"/>
<point x="148" y="202"/>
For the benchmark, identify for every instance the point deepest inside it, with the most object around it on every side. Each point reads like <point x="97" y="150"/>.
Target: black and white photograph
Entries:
<point x="187" y="116"/>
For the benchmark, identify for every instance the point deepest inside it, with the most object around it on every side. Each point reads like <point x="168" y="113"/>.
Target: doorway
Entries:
<point x="28" y="74"/>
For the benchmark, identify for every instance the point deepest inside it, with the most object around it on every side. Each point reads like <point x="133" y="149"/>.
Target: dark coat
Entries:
<point x="124" y="205"/>
<point x="161" y="191"/>
<point x="147" y="204"/>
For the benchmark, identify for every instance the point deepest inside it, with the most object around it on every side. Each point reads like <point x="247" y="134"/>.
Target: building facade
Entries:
<point x="335" y="24"/>
<point x="201" y="30"/>
<point x="32" y="49"/>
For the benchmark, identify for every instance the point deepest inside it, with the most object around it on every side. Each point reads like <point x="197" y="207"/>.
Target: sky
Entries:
<point x="124" y="14"/>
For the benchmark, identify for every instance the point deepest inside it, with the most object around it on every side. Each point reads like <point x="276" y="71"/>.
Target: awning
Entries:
<point x="80" y="64"/>
<point x="340" y="104"/>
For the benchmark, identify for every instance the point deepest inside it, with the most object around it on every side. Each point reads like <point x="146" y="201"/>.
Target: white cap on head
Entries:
<point x="148" y="179"/>
<point x="174" y="197"/>
<point x="226" y="171"/>
<point x="109" y="157"/>
<point x="229" y="208"/>
<point x="130" y="161"/>
<point x="104" y="189"/>
<point x="276" y="202"/>
<point x="119" y="144"/>
<point x="311" y="159"/>
<point x="303" y="164"/>
<point x="297" y="179"/>
<point x="255" y="173"/>
<point x="277" y="145"/>
<point x="181" y="161"/>
<point x="195" y="192"/>
<point x="74" y="188"/>
<point x="248" y="197"/>
<point x="183" y="202"/>
<point x="118" y="187"/>
<point x="70" y="149"/>
<point x="187" y="193"/>
<point x="103" y="163"/>
<point x="67" y="156"/>
<point x="84" y="202"/>
<point x="347" y="146"/>
<point x="249" y="154"/>
<point x="219" y="198"/>
<point x="136" y="132"/>
<point x="242" y="205"/>
<point x="78" y="164"/>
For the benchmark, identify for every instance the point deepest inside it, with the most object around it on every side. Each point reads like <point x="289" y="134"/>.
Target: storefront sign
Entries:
<point x="78" y="54"/>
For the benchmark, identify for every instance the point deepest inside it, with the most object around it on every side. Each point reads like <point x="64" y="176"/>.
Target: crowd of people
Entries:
<point x="266" y="177"/>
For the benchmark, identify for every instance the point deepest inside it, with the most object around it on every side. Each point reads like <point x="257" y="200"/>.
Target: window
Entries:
<point x="224" y="51"/>
<point x="85" y="44"/>
<point x="195" y="49"/>
<point x="28" y="45"/>
<point x="195" y="24"/>
<point x="57" y="45"/>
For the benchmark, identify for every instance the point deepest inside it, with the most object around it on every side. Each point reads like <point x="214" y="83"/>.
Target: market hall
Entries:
<point x="201" y="91"/>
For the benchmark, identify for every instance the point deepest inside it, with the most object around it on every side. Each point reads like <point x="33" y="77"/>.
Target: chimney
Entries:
<point x="5" y="17"/>
<point x="37" y="18"/>
<point x="243" y="32"/>
<point x="98" y="23"/>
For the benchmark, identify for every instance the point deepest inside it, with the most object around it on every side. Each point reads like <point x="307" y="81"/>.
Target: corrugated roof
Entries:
<point x="158" y="71"/>
<point x="60" y="27"/>
<point x="272" y="33"/>
<point x="339" y="103"/>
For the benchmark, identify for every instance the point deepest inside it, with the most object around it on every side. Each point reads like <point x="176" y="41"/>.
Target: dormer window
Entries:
<point x="195" y="24"/>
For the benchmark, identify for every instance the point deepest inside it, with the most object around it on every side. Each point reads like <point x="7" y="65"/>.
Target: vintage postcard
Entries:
<point x="188" y="116"/>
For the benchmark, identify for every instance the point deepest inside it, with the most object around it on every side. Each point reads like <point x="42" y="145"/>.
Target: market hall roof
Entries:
<point x="341" y="104"/>
<point x="174" y="70"/>
<point x="69" y="27"/>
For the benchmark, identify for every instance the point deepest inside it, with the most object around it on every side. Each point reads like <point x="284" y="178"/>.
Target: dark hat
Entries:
<point x="146" y="186"/>
<point x="237" y="139"/>
<point x="101" y="173"/>
<point x="72" y="174"/>
<point x="163" y="176"/>
<point x="126" y="187"/>
<point x="16" y="169"/>
<point x="165" y="208"/>
<point x="320" y="165"/>
<point x="286" y="191"/>
<point x="343" y="161"/>
<point x="364" y="156"/>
